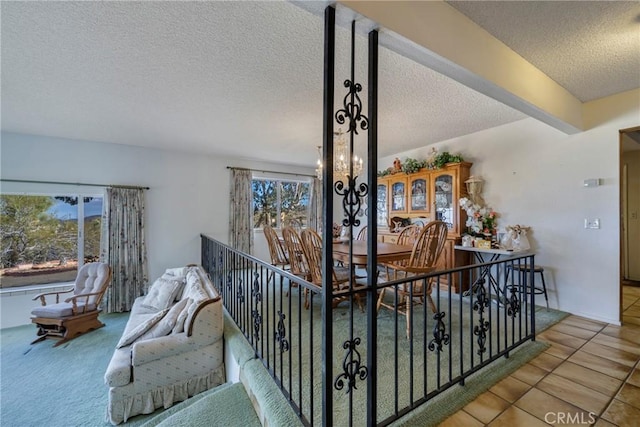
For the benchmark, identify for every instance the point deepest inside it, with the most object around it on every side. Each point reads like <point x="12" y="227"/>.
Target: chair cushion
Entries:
<point x="91" y="278"/>
<point x="62" y="309"/>
<point x="162" y="293"/>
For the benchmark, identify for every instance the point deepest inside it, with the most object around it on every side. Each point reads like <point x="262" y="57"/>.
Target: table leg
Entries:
<point x="484" y="273"/>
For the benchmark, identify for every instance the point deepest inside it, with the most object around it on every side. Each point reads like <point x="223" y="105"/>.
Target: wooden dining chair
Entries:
<point x="363" y="233"/>
<point x="407" y="237"/>
<point x="297" y="261"/>
<point x="361" y="270"/>
<point x="312" y="246"/>
<point x="427" y="249"/>
<point x="277" y="250"/>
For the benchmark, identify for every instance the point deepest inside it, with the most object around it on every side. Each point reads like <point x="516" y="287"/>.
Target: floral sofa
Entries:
<point x="171" y="347"/>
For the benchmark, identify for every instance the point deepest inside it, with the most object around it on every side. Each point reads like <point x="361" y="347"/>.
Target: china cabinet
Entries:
<point x="425" y="196"/>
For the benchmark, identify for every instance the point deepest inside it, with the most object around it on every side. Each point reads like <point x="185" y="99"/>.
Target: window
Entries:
<point x="279" y="203"/>
<point x="44" y="237"/>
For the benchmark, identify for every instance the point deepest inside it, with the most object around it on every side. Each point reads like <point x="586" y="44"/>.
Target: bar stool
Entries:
<point x="523" y="269"/>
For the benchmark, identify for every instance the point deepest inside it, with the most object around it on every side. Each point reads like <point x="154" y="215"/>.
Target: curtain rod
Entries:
<point x="72" y="183"/>
<point x="265" y="171"/>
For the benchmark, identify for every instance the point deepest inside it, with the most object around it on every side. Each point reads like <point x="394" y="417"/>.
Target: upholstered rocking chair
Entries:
<point x="78" y="314"/>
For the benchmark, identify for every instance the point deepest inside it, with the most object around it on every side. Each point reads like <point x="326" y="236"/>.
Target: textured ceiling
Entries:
<point x="242" y="79"/>
<point x="591" y="48"/>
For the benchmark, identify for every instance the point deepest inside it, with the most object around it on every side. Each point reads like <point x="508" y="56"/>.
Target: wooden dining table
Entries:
<point x="386" y="252"/>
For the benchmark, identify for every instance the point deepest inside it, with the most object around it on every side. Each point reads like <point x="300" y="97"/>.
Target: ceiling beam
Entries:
<point x="438" y="36"/>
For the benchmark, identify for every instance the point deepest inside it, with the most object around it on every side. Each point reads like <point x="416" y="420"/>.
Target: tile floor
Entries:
<point x="589" y="376"/>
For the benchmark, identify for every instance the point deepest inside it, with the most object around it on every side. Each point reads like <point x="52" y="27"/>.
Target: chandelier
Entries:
<point x="341" y="159"/>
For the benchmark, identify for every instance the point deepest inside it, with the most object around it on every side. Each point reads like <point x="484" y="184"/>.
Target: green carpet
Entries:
<point x="43" y="386"/>
<point x="63" y="386"/>
<point x="409" y="387"/>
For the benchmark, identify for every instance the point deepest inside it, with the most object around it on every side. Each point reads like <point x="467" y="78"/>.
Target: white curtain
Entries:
<point x="123" y="247"/>
<point x="315" y="208"/>
<point x="240" y="214"/>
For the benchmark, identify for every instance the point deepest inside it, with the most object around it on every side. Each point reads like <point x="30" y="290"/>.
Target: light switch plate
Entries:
<point x="593" y="223"/>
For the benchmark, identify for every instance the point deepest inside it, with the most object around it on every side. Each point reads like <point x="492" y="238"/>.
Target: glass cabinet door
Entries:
<point x="419" y="195"/>
<point x="443" y="202"/>
<point x="382" y="202"/>
<point x="398" y="195"/>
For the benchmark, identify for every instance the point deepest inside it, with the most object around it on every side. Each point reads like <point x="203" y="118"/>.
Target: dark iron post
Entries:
<point x="372" y="249"/>
<point x="327" y="215"/>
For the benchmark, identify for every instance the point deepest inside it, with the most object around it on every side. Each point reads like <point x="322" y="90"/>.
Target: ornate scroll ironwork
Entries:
<point x="352" y="111"/>
<point x="480" y="330"/>
<point x="482" y="300"/>
<point x="351" y="114"/>
<point x="351" y="366"/>
<point x="257" y="296"/>
<point x="240" y="295"/>
<point x="440" y="336"/>
<point x="351" y="199"/>
<point x="217" y="267"/>
<point x="513" y="303"/>
<point x="255" y="288"/>
<point x="281" y="333"/>
<point x="257" y="322"/>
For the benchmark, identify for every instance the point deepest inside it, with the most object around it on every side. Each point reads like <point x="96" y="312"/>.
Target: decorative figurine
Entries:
<point x="397" y="166"/>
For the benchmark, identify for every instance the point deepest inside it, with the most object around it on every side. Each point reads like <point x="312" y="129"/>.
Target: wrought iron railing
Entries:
<point x="468" y="331"/>
<point x="268" y="306"/>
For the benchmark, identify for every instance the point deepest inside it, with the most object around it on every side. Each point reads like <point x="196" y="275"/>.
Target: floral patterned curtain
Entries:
<point x="315" y="208"/>
<point x="123" y="247"/>
<point x="240" y="215"/>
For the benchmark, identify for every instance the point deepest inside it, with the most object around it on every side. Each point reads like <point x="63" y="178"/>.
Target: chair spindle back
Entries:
<point x="276" y="249"/>
<point x="297" y="259"/>
<point x="428" y="247"/>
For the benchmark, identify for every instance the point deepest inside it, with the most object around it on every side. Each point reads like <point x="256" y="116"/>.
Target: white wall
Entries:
<point x="534" y="176"/>
<point x="189" y="193"/>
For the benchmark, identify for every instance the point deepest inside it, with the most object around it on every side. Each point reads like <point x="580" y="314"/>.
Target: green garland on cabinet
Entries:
<point x="411" y="165"/>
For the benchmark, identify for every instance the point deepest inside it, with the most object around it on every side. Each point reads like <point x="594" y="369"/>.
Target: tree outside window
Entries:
<point x="43" y="237"/>
<point x="280" y="203"/>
